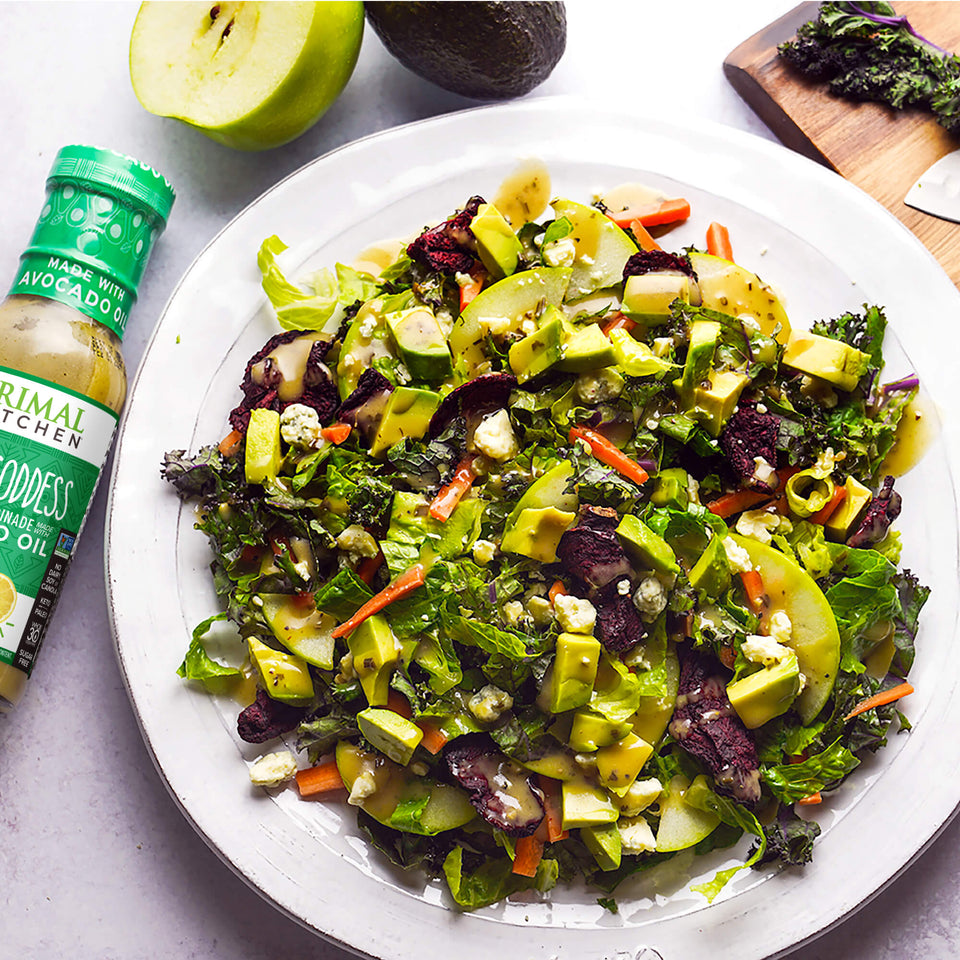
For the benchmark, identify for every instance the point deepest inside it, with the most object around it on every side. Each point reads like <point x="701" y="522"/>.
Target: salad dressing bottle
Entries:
<point x="62" y="378"/>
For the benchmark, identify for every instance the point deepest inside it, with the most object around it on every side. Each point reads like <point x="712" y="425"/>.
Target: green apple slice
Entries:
<point x="250" y="75"/>
<point x="814" y="638"/>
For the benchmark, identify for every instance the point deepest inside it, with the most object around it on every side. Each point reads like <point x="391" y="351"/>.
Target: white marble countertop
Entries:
<point x="96" y="861"/>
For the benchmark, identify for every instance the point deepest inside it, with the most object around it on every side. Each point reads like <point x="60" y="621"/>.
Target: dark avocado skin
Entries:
<point x="484" y="50"/>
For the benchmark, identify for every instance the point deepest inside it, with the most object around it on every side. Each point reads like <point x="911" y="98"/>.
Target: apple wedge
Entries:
<point x="250" y="75"/>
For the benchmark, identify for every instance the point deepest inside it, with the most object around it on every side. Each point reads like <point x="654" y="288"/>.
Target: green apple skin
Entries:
<point x="291" y="103"/>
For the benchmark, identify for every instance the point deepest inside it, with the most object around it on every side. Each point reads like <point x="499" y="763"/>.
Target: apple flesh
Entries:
<point x="250" y="75"/>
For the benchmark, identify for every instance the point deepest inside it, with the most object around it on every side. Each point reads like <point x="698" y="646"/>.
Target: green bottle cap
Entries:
<point x="104" y="211"/>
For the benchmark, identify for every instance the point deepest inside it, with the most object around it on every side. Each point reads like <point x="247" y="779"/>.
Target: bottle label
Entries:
<point x="82" y="287"/>
<point x="53" y="443"/>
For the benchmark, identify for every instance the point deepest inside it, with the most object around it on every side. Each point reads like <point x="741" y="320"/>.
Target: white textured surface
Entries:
<point x="95" y="859"/>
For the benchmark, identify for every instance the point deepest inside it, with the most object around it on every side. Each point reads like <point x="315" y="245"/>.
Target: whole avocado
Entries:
<point x="485" y="50"/>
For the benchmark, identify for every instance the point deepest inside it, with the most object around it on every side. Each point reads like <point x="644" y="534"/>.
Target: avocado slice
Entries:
<point x="497" y="244"/>
<point x="620" y="763"/>
<point x="558" y="764"/>
<point x="262" y="452"/>
<point x="648" y="297"/>
<point x="704" y="337"/>
<point x="394" y="736"/>
<point x="447" y="806"/>
<point x="729" y="288"/>
<point x="285" y="677"/>
<point x="553" y="489"/>
<point x="367" y="339"/>
<point x="646" y="549"/>
<point x="542" y="349"/>
<point x="304" y="631"/>
<point x="711" y="573"/>
<point x="585" y="805"/>
<point x="375" y="653"/>
<point x="602" y="249"/>
<point x="574" y="671"/>
<point x="832" y="360"/>
<point x="421" y="342"/>
<point x="670" y="488"/>
<point x="766" y="694"/>
<point x="713" y="402"/>
<point x="407" y="414"/>
<point x="591" y="730"/>
<point x="514" y="298"/>
<point x="846" y="517"/>
<point x="603" y="841"/>
<point x="537" y="532"/>
<point x="653" y="714"/>
<point x="585" y="348"/>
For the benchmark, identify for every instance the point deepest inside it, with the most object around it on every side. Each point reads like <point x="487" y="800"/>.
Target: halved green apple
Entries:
<point x="814" y="638"/>
<point x="250" y="75"/>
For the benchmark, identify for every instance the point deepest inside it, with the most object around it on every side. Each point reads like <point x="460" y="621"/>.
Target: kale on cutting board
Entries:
<point x="865" y="51"/>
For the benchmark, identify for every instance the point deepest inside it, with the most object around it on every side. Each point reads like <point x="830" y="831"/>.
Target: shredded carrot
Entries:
<point x="718" y="241"/>
<point x="398" y="703"/>
<point x="812" y="799"/>
<point x="445" y="502"/>
<point x="737" y="501"/>
<point x="408" y="581"/>
<point x="470" y="290"/>
<point x="557" y="590"/>
<point x="336" y="432"/>
<point x="753" y="585"/>
<point x="617" y="321"/>
<point x="608" y="453"/>
<point x="822" y="516"/>
<point x="368" y="567"/>
<point x="323" y="778"/>
<point x="881" y="699"/>
<point x="527" y="855"/>
<point x="434" y="739"/>
<point x="655" y="214"/>
<point x="230" y="444"/>
<point x="552" y="808"/>
<point x="643" y="236"/>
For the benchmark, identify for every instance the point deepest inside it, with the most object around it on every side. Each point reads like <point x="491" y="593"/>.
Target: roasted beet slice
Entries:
<point x="619" y="625"/>
<point x="364" y="407"/>
<point x="656" y="261"/>
<point x="267" y="718"/>
<point x="749" y="442"/>
<point x="499" y="789"/>
<point x="591" y="551"/>
<point x="450" y="247"/>
<point x="884" y="508"/>
<point x="264" y="385"/>
<point x="705" y="724"/>
<point x="471" y="400"/>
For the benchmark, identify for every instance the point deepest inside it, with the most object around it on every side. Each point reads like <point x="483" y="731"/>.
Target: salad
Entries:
<point x="553" y="553"/>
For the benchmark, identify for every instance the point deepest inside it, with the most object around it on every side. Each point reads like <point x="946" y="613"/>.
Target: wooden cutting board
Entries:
<point x="882" y="151"/>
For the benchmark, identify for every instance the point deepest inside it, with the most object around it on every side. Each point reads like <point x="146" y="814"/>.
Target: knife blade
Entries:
<point x="937" y="191"/>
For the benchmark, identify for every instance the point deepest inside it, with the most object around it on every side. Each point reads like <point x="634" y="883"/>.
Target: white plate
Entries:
<point x="823" y="242"/>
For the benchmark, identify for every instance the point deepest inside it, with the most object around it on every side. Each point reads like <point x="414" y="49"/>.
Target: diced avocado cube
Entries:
<point x="603" y="841"/>
<point x="704" y="337"/>
<point x="711" y="573"/>
<point x="285" y="677"/>
<point x="766" y="694"/>
<point x="591" y="730"/>
<point x="538" y="352"/>
<point x="585" y="805"/>
<point x="497" y="244"/>
<point x="262" y="454"/>
<point x="619" y="764"/>
<point x="394" y="736"/>
<point x="646" y="549"/>
<point x="303" y="630"/>
<point x="648" y="297"/>
<point x="407" y="414"/>
<point x="574" y="671"/>
<point x="670" y="488"/>
<point x="845" y="518"/>
<point x="557" y="764"/>
<point x="713" y="404"/>
<point x="421" y="342"/>
<point x="537" y="532"/>
<point x="832" y="360"/>
<point x="375" y="653"/>
<point x="586" y="348"/>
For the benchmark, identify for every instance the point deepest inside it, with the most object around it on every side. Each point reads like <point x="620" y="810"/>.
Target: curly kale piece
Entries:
<point x="199" y="475"/>
<point x="864" y="51"/>
<point x="789" y="840"/>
